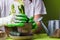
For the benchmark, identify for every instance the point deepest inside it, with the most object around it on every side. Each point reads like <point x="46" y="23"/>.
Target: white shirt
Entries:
<point x="34" y="8"/>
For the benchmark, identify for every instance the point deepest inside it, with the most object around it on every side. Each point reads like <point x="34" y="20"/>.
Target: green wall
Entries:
<point x="53" y="10"/>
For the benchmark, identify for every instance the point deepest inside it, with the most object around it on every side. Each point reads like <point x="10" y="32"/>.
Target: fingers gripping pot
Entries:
<point x="21" y="24"/>
<point x="26" y="27"/>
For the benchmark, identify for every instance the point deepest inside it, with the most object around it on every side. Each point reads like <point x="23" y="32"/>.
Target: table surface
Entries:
<point x="41" y="37"/>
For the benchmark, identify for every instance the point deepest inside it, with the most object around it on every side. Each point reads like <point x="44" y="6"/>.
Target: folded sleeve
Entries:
<point x="39" y="7"/>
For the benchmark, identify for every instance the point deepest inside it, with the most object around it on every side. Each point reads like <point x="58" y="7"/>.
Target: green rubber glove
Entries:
<point x="20" y="20"/>
<point x="15" y="25"/>
<point x="34" y="25"/>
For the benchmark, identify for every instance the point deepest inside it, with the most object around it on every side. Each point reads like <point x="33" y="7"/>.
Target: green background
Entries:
<point x="53" y="10"/>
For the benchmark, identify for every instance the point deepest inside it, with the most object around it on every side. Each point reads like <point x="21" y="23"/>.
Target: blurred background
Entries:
<point x="53" y="10"/>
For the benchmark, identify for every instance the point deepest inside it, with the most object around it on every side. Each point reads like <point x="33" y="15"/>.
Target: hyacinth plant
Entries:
<point x="20" y="8"/>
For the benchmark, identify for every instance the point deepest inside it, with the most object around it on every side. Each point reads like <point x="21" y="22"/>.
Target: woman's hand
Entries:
<point x="19" y="20"/>
<point x="37" y="19"/>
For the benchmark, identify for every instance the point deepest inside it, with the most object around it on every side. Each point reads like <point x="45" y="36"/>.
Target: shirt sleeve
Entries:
<point x="4" y="20"/>
<point x="2" y="8"/>
<point x="39" y="7"/>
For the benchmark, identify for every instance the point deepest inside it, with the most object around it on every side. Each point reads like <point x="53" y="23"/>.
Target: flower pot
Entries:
<point x="27" y="29"/>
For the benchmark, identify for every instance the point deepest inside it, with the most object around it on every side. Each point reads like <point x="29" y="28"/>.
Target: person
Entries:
<point x="33" y="8"/>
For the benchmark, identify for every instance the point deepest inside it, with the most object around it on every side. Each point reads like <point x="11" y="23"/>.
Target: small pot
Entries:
<point x="26" y="29"/>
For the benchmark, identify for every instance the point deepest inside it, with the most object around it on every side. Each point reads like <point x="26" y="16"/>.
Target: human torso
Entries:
<point x="29" y="7"/>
